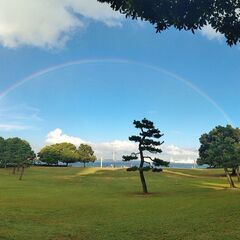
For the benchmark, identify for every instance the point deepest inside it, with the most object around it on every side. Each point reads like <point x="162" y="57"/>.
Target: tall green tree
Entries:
<point x="221" y="148"/>
<point x="190" y="15"/>
<point x="147" y="143"/>
<point x="86" y="154"/>
<point x="18" y="153"/>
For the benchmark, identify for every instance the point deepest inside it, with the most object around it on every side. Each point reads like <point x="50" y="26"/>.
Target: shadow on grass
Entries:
<point x="217" y="186"/>
<point x="191" y="175"/>
<point x="145" y="195"/>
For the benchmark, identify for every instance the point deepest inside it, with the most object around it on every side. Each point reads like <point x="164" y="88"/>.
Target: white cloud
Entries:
<point x="116" y="147"/>
<point x="210" y="33"/>
<point x="12" y="127"/>
<point x="96" y="11"/>
<point x="176" y="151"/>
<point x="19" y="112"/>
<point x="180" y="155"/>
<point x="104" y="149"/>
<point x="18" y="117"/>
<point x="121" y="147"/>
<point x="49" y="23"/>
<point x="57" y="136"/>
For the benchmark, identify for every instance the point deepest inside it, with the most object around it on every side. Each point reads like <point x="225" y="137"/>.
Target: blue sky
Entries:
<point x="185" y="83"/>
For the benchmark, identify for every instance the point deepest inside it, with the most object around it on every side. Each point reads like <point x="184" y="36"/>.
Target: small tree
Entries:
<point x="146" y="143"/>
<point x="221" y="148"/>
<point x="86" y="154"/>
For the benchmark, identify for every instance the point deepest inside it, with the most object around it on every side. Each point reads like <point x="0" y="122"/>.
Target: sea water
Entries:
<point x="119" y="164"/>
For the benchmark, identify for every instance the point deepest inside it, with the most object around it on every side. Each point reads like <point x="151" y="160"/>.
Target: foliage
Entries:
<point x="17" y="152"/>
<point x="132" y="169"/>
<point x="223" y="16"/>
<point x="66" y="153"/>
<point x="60" y="152"/>
<point x="86" y="154"/>
<point x="48" y="155"/>
<point x="146" y="140"/>
<point x="2" y="149"/>
<point x="157" y="170"/>
<point x="221" y="148"/>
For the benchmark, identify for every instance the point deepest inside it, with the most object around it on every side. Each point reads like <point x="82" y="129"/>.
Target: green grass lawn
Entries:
<point x="77" y="203"/>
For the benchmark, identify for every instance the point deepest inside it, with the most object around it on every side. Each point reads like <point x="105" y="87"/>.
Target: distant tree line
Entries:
<point x="18" y="154"/>
<point x="66" y="153"/>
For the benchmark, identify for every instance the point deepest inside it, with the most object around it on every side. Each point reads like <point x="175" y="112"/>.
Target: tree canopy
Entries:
<point x="86" y="154"/>
<point x="17" y="152"/>
<point x="60" y="152"/>
<point x="66" y="153"/>
<point x="223" y="16"/>
<point x="146" y="140"/>
<point x="221" y="148"/>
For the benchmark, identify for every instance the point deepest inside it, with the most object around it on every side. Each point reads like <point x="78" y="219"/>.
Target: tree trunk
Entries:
<point x="18" y="168"/>
<point x="14" y="170"/>
<point x="234" y="171"/>
<point x="238" y="174"/>
<point x="232" y="185"/>
<point x="84" y="164"/>
<point x="144" y="185"/>
<point x="21" y="174"/>
<point x="67" y="164"/>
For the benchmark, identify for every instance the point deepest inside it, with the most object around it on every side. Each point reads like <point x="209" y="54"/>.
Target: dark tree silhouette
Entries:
<point x="221" y="15"/>
<point x="146" y="143"/>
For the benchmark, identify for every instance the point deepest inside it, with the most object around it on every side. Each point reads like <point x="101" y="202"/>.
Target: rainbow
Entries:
<point x="117" y="61"/>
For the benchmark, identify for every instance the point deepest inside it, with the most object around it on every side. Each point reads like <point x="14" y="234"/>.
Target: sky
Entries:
<point x="76" y="71"/>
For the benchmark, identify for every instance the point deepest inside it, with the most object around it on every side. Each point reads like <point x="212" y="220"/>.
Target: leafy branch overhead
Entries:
<point x="222" y="16"/>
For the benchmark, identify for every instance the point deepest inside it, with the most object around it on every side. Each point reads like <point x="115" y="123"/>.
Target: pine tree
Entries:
<point x="146" y="143"/>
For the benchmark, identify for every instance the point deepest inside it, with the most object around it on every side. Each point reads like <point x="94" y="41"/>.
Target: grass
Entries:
<point x="89" y="204"/>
